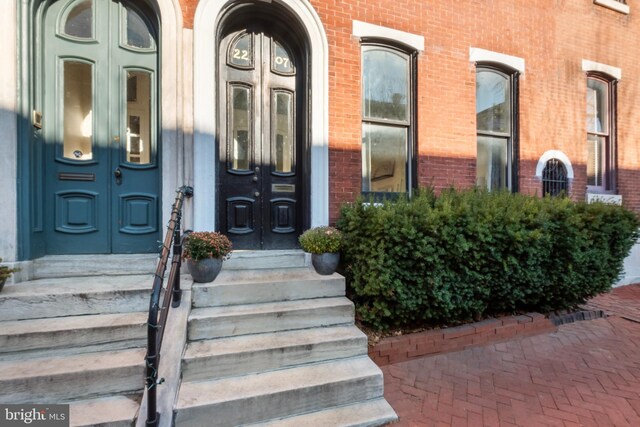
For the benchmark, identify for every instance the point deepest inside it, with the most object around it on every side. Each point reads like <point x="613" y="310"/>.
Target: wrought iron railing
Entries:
<point x="172" y="295"/>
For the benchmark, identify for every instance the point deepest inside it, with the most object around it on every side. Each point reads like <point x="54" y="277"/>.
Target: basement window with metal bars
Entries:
<point x="554" y="179"/>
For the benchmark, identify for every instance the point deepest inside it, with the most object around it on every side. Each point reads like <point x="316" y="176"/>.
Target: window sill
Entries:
<point x="614" y="5"/>
<point x="613" y="199"/>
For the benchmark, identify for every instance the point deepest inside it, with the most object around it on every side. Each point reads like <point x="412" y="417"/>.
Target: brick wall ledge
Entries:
<point x="428" y="343"/>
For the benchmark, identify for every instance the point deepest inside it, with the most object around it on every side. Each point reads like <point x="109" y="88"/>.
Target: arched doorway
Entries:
<point x="99" y="127"/>
<point x="213" y="21"/>
<point x="262" y="126"/>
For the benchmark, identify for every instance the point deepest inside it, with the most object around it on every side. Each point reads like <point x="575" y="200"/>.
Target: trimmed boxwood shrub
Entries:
<point x="467" y="254"/>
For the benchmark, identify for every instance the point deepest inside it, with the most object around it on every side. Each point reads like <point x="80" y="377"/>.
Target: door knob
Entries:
<point x="118" y="174"/>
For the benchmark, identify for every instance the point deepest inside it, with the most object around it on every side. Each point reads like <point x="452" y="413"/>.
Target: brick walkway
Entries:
<point x="587" y="373"/>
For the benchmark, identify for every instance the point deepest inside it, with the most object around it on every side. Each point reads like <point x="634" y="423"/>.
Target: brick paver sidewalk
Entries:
<point x="587" y="373"/>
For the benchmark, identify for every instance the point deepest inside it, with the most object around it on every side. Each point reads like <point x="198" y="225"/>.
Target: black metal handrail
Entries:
<point x="173" y="295"/>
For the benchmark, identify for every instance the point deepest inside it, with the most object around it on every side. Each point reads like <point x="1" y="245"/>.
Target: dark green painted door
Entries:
<point x="99" y="122"/>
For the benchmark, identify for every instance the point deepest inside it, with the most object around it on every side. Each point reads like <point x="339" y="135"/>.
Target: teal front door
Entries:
<point x="100" y="128"/>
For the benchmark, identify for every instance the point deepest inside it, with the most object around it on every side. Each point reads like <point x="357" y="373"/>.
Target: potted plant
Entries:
<point x="5" y="273"/>
<point x="323" y="243"/>
<point x="204" y="252"/>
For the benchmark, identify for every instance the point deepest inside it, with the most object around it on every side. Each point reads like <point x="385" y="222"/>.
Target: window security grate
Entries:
<point x="554" y="178"/>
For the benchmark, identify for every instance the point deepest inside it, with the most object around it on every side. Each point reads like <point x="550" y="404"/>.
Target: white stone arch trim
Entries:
<point x="171" y="103"/>
<point x="482" y="55"/>
<point x="592" y="66"/>
<point x="207" y="19"/>
<point x="363" y="29"/>
<point x="554" y="154"/>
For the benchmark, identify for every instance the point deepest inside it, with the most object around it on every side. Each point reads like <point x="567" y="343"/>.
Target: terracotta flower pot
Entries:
<point x="326" y="263"/>
<point x="204" y="270"/>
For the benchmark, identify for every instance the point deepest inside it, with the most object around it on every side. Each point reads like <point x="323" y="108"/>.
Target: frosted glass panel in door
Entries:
<point x="78" y="110"/>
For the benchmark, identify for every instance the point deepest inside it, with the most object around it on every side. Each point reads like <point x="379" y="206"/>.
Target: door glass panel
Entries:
<point x="491" y="163"/>
<point x="240" y="128"/>
<point x="493" y="106"/>
<point x="384" y="158"/>
<point x="79" y="21"/>
<point x="78" y="110"/>
<point x="138" y="33"/>
<point x="241" y="52"/>
<point x="281" y="60"/>
<point x="283" y="136"/>
<point x="385" y="85"/>
<point x="138" y="117"/>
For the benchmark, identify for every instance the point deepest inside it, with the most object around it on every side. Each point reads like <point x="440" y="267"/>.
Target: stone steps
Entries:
<point x="65" y="266"/>
<point x="258" y="260"/>
<point x="278" y="394"/>
<point x="73" y="334"/>
<point x="218" y="322"/>
<point x="67" y="378"/>
<point x="48" y="298"/>
<point x="225" y="357"/>
<point x="269" y="285"/>
<point x="375" y="412"/>
<point x="112" y="411"/>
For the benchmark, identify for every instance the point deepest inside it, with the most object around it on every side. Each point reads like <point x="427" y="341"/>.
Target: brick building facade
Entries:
<point x="548" y="52"/>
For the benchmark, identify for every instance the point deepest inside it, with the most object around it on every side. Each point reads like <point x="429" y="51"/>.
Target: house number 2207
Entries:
<point x="281" y="60"/>
<point x="241" y="54"/>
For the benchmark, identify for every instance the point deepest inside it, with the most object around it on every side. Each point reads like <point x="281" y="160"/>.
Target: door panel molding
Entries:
<point x="300" y="14"/>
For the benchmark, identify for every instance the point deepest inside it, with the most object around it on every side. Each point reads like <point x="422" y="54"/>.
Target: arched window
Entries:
<point x="601" y="122"/>
<point x="554" y="178"/>
<point x="387" y="119"/>
<point x="496" y="124"/>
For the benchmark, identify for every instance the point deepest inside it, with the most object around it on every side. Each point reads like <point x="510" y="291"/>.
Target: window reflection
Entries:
<point x="283" y="130"/>
<point x="281" y="60"/>
<point x="138" y="147"/>
<point x="79" y="21"/>
<point x="241" y="52"/>
<point x="240" y="130"/>
<point x="491" y="163"/>
<point x="385" y="85"/>
<point x="493" y="110"/>
<point x="384" y="153"/>
<point x="78" y="110"/>
<point x="138" y="33"/>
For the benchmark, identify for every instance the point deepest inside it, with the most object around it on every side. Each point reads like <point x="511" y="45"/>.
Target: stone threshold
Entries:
<point x="437" y="341"/>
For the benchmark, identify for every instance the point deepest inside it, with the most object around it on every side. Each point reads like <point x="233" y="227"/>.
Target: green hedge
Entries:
<point x="467" y="254"/>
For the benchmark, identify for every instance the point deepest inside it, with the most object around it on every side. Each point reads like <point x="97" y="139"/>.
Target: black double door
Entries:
<point x="260" y="175"/>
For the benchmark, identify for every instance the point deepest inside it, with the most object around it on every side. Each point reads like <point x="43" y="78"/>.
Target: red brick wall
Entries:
<point x="552" y="36"/>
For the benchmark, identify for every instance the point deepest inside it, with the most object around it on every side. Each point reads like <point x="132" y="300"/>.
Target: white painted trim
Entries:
<point x="483" y="55"/>
<point x="554" y="154"/>
<point x="207" y="19"/>
<point x="363" y="29"/>
<point x="171" y="71"/>
<point x="614" y="72"/>
<point x="9" y="130"/>
<point x="614" y="5"/>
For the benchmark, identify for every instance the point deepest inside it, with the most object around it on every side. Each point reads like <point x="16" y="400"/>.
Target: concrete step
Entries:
<point x="219" y="322"/>
<point x="45" y="298"/>
<point x="54" y="266"/>
<point x="113" y="411"/>
<point x="255" y="286"/>
<point x="225" y="357"/>
<point x="258" y="260"/>
<point x="366" y="414"/>
<point x="60" y="379"/>
<point x="278" y="394"/>
<point x="73" y="334"/>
